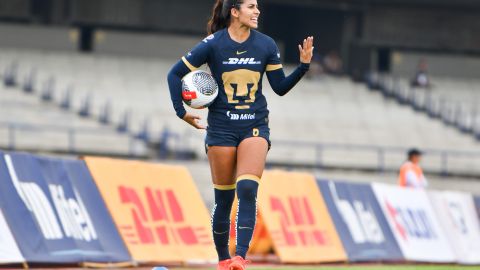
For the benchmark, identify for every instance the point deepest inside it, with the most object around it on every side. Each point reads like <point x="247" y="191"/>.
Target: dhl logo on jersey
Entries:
<point x="241" y="61"/>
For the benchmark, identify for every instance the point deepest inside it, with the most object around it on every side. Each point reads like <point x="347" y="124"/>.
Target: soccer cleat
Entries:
<point x="238" y="263"/>
<point x="224" y="265"/>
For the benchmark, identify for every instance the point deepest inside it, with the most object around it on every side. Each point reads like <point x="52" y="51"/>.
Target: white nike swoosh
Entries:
<point x="243" y="228"/>
<point x="220" y="232"/>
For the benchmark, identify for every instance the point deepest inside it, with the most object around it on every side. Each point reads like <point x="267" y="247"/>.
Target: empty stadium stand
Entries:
<point x="452" y="101"/>
<point x="30" y="123"/>
<point x="328" y="122"/>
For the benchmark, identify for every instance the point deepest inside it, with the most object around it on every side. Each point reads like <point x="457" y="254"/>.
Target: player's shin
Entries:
<point x="224" y="196"/>
<point x="246" y="213"/>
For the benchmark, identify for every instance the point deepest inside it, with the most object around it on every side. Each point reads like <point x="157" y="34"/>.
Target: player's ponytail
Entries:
<point x="221" y="14"/>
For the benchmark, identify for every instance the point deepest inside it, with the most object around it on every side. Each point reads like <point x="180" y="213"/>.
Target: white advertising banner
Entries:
<point x="414" y="224"/>
<point x="457" y="215"/>
<point x="9" y="252"/>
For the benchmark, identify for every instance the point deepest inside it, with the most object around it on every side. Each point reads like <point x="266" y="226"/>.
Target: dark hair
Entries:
<point x="221" y="14"/>
<point x="414" y="152"/>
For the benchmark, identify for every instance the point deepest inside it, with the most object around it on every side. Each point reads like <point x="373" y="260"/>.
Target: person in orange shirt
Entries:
<point x="411" y="175"/>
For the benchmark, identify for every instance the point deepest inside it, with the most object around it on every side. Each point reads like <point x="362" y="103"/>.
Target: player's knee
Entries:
<point x="247" y="190"/>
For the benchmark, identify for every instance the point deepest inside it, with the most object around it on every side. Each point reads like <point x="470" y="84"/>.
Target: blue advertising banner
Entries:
<point x="360" y="222"/>
<point x="55" y="212"/>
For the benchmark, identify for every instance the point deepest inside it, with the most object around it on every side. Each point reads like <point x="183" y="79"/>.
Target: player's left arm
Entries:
<point x="282" y="84"/>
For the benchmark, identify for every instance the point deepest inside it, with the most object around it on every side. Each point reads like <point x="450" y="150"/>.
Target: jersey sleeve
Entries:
<point x="190" y="62"/>
<point x="198" y="55"/>
<point x="280" y="83"/>
<point x="273" y="60"/>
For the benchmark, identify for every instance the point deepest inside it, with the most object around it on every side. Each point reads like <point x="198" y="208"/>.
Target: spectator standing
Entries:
<point x="421" y="78"/>
<point x="411" y="174"/>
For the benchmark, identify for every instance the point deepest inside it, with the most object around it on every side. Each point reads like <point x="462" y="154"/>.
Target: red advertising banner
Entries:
<point x="297" y="219"/>
<point x="157" y="209"/>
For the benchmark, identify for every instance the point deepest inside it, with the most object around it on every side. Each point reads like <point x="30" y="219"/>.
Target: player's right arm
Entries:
<point x="190" y="62"/>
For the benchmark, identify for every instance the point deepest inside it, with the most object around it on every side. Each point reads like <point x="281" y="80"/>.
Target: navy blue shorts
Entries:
<point x="235" y="137"/>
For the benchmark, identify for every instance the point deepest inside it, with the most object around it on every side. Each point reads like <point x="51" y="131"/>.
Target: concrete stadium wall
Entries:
<point x="165" y="46"/>
<point x="15" y="9"/>
<point x="38" y="37"/>
<point x="404" y="64"/>
<point x="169" y="15"/>
<point x="171" y="46"/>
<point x="428" y="28"/>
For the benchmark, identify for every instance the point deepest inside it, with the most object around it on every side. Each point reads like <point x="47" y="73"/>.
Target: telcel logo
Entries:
<point x="359" y="218"/>
<point x="241" y="61"/>
<point x="242" y="116"/>
<point x="72" y="213"/>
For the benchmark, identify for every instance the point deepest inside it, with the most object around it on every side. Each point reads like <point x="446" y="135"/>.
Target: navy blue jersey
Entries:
<point x="238" y="69"/>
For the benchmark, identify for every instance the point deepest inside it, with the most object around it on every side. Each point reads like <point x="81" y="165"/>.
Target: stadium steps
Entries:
<point x="328" y="111"/>
<point x="38" y="126"/>
<point x="338" y="111"/>
<point x="454" y="102"/>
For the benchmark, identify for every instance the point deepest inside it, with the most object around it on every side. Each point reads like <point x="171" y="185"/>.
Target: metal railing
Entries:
<point x="71" y="136"/>
<point x="183" y="143"/>
<point x="441" y="159"/>
<point x="322" y="153"/>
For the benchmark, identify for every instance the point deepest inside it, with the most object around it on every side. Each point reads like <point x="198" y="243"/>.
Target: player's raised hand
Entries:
<point x="193" y="120"/>
<point x="306" y="51"/>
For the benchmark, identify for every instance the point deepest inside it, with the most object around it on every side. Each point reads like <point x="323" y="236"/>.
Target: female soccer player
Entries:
<point x="237" y="139"/>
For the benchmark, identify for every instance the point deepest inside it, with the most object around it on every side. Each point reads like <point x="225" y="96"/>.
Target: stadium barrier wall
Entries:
<point x="360" y="222"/>
<point x="157" y="209"/>
<point x="36" y="37"/>
<point x="404" y="64"/>
<point x="55" y="211"/>
<point x="9" y="251"/>
<point x="477" y="205"/>
<point x="297" y="219"/>
<point x="414" y="224"/>
<point x="385" y="223"/>
<point x="164" y="46"/>
<point x="456" y="213"/>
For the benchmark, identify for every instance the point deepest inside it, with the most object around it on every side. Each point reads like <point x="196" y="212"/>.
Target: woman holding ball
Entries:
<point x="237" y="139"/>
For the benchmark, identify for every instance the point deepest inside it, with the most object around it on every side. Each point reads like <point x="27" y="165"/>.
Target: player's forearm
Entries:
<point x="281" y="85"/>
<point x="175" y="86"/>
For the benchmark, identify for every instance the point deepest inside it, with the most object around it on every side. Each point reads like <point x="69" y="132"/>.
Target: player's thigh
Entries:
<point x="222" y="161"/>
<point x="251" y="156"/>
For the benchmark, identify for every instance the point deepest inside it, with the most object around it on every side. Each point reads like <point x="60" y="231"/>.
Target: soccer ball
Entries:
<point x="199" y="89"/>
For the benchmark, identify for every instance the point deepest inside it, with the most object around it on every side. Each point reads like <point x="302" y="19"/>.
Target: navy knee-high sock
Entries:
<point x="247" y="186"/>
<point x="224" y="196"/>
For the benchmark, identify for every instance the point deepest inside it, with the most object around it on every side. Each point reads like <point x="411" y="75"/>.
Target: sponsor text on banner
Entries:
<point x="297" y="219"/>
